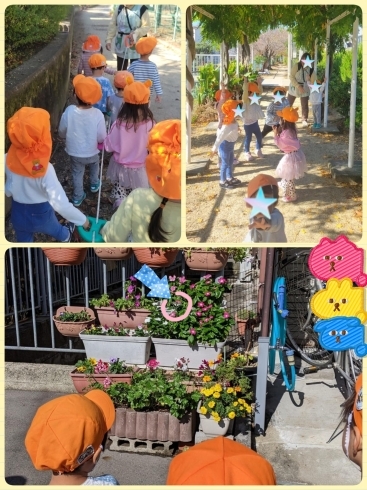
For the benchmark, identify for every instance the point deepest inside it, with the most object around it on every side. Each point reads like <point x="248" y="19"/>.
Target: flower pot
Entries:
<point x="153" y="426"/>
<point x="244" y="324"/>
<point x="81" y="381"/>
<point x="168" y="350"/>
<point x="155" y="257"/>
<point x="113" y="253"/>
<point x="211" y="428"/>
<point x="132" y="350"/>
<point x="202" y="260"/>
<point x="65" y="256"/>
<point x="108" y="317"/>
<point x="73" y="329"/>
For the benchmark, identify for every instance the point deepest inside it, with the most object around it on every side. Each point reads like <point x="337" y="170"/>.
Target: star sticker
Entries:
<point x="314" y="87"/>
<point x="278" y="97"/>
<point x="238" y="111"/>
<point x="307" y="62"/>
<point x="260" y="204"/>
<point x="254" y="99"/>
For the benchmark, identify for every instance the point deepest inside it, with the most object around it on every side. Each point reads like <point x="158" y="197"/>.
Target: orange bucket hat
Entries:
<point x="67" y="431"/>
<point x="163" y="163"/>
<point x="120" y="78"/>
<point x="279" y="89"/>
<point x="97" y="60"/>
<point x="91" y="44"/>
<point x="87" y="89"/>
<point x="227" y="108"/>
<point x="220" y="461"/>
<point x="145" y="45"/>
<point x="31" y="144"/>
<point x="289" y="114"/>
<point x="137" y="92"/>
<point x="252" y="87"/>
<point x="218" y="93"/>
<point x="261" y="180"/>
<point x="358" y="403"/>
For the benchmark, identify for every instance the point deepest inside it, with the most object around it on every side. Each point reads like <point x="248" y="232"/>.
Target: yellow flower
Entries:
<point x="241" y="407"/>
<point x="235" y="404"/>
<point x="211" y="363"/>
<point x="211" y="404"/>
<point x="203" y="410"/>
<point x="93" y="361"/>
<point x="207" y="392"/>
<point x="233" y="356"/>
<point x="230" y="390"/>
<point x="219" y="357"/>
<point x="237" y="388"/>
<point x="231" y="415"/>
<point x="215" y="414"/>
<point x="217" y="387"/>
<point x="216" y="419"/>
<point x="216" y="394"/>
<point x="206" y="379"/>
<point x="241" y="402"/>
<point x="202" y="391"/>
<point x="248" y="408"/>
<point x="80" y="369"/>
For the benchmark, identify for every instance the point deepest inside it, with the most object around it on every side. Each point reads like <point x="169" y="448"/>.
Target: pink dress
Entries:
<point x="127" y="164"/>
<point x="293" y="165"/>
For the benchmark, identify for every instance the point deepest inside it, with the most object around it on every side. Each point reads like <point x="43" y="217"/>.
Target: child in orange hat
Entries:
<point x="128" y="139"/>
<point x="31" y="180"/>
<point x="67" y="436"/>
<point x="293" y="164"/>
<point x="261" y="228"/>
<point x="153" y="215"/>
<point x="97" y="63"/>
<point x="144" y="69"/>
<point x="271" y="117"/>
<point x="224" y="145"/>
<point x="84" y="127"/>
<point x="117" y="99"/>
<point x="92" y="45"/>
<point x="251" y="115"/>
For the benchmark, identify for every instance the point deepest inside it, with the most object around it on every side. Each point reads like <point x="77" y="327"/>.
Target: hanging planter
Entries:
<point x="156" y="257"/>
<point x="110" y="318"/>
<point x="113" y="253"/>
<point x="65" y="256"/>
<point x="82" y="381"/>
<point x="77" y="318"/>
<point x="204" y="260"/>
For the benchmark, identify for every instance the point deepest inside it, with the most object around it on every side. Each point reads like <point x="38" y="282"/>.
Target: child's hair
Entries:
<point x="134" y="114"/>
<point x="291" y="126"/>
<point x="80" y="102"/>
<point x="155" y="231"/>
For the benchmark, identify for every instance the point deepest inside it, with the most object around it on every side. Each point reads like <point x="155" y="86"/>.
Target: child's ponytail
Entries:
<point x="155" y="230"/>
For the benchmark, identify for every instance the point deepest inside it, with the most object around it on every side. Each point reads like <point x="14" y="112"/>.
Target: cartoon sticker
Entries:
<point x="342" y="333"/>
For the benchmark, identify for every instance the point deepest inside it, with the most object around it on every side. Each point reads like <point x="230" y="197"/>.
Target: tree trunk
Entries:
<point x="225" y="63"/>
<point x="245" y="51"/>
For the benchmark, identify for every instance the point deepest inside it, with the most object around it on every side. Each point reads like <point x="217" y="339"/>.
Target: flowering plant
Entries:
<point x="69" y="316"/>
<point x="92" y="366"/>
<point x="222" y="402"/>
<point x="238" y="360"/>
<point x="238" y="254"/>
<point x="139" y="331"/>
<point x="208" y="322"/>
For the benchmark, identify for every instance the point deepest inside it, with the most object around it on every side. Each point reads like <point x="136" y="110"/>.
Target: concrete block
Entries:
<point x="342" y="173"/>
<point x="197" y="165"/>
<point x="331" y="129"/>
<point x="158" y="448"/>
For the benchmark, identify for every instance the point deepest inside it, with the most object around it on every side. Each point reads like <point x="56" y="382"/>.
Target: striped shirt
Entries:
<point x="146" y="70"/>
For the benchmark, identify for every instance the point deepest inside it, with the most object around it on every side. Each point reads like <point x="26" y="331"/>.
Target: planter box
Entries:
<point x="168" y="350"/>
<point x="155" y="257"/>
<point x="81" y="381"/>
<point x="153" y="426"/>
<point x="121" y="319"/>
<point x="211" y="428"/>
<point x="114" y="253"/>
<point x="73" y="329"/>
<point x="132" y="350"/>
<point x="202" y="260"/>
<point x="65" y="256"/>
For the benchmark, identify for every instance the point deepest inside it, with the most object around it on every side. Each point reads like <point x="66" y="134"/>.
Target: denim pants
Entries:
<point x="78" y="165"/>
<point x="251" y="129"/>
<point x="28" y="219"/>
<point x="226" y="153"/>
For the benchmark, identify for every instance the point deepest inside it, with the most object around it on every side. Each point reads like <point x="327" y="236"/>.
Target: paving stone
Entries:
<point x="342" y="173"/>
<point x="197" y="166"/>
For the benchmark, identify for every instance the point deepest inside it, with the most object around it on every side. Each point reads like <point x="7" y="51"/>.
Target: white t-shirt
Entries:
<point x="83" y="130"/>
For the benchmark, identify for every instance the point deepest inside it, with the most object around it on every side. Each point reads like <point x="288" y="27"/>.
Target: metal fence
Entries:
<point x="203" y="59"/>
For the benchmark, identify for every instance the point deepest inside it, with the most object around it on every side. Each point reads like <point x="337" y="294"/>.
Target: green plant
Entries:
<point x="116" y="391"/>
<point x="207" y="83"/>
<point x="69" y="316"/>
<point x="238" y="254"/>
<point x="244" y="314"/>
<point x="134" y="298"/>
<point x="92" y="366"/>
<point x="222" y="402"/>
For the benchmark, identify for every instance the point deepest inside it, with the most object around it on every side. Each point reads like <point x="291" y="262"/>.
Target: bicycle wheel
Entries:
<point x="350" y="368"/>
<point x="301" y="286"/>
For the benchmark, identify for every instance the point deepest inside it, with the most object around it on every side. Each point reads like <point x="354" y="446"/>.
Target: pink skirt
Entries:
<point x="131" y="178"/>
<point x="292" y="165"/>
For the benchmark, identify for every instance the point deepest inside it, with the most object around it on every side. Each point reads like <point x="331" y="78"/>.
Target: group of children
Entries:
<point x="33" y="185"/>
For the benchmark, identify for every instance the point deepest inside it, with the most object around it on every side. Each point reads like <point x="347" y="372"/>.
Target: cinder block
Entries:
<point x="158" y="448"/>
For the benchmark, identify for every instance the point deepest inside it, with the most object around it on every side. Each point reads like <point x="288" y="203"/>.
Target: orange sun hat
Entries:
<point x="97" y="60"/>
<point x="279" y="89"/>
<point x="218" y="93"/>
<point x="289" y="114"/>
<point x="31" y="143"/>
<point x="145" y="45"/>
<point x="137" y="92"/>
<point x="68" y="430"/>
<point x="253" y="87"/>
<point x="87" y="89"/>
<point x="163" y="163"/>
<point x="120" y="78"/>
<point x="227" y="108"/>
<point x="261" y="180"/>
<point x="91" y="44"/>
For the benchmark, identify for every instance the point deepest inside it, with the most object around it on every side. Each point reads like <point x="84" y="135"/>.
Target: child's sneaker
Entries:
<point x="304" y="124"/>
<point x="234" y="181"/>
<point x="71" y="227"/>
<point x="258" y="153"/>
<point x="318" y="126"/>
<point x="235" y="161"/>
<point x="95" y="187"/>
<point x="226" y="185"/>
<point x="289" y="198"/>
<point x="77" y="202"/>
<point x="248" y="156"/>
<point x="314" y="125"/>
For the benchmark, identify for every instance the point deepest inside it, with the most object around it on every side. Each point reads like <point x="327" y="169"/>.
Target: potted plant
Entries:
<point x="128" y="312"/>
<point x="113" y="253"/>
<point x="71" y="320"/>
<point x="212" y="259"/>
<point x="90" y="371"/>
<point x="202" y="333"/>
<point x="65" y="256"/>
<point x="245" y="365"/>
<point x="156" y="257"/>
<point x="132" y="345"/>
<point x="245" y="319"/>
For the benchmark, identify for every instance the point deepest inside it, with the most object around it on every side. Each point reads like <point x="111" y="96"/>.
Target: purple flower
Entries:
<point x="131" y="289"/>
<point x="221" y="280"/>
<point x="173" y="314"/>
<point x="182" y="279"/>
<point x="226" y="315"/>
<point x="198" y="313"/>
<point x="132" y="279"/>
<point x="137" y="304"/>
<point x="172" y="278"/>
<point x="107" y="383"/>
<point x="201" y="304"/>
<point x="137" y="296"/>
<point x="208" y="294"/>
<point x="173" y="289"/>
<point x="113" y="360"/>
<point x="192" y="331"/>
<point x="208" y="276"/>
<point x="192" y="286"/>
<point x="205" y="308"/>
<point x="206" y="320"/>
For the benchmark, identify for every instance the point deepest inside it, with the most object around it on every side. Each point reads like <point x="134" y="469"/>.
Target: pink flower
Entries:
<point x="137" y="296"/>
<point x="152" y="364"/>
<point x="222" y="280"/>
<point x="112" y="304"/>
<point x="172" y="278"/>
<point x="208" y="294"/>
<point x="173" y="289"/>
<point x="198" y="313"/>
<point x="208" y="276"/>
<point x="182" y="279"/>
<point x="132" y="279"/>
<point x="205" y="308"/>
<point x="206" y="320"/>
<point x="173" y="314"/>
<point x="201" y="304"/>
<point x="137" y="304"/>
<point x="201" y="322"/>
<point x="226" y="315"/>
<point x="192" y="286"/>
<point x="107" y="383"/>
<point x="131" y="289"/>
<point x="192" y="331"/>
<point x="208" y="282"/>
<point x="211" y="317"/>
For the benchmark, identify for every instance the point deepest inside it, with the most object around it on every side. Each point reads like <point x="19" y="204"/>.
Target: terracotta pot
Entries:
<point x="73" y="329"/>
<point x="107" y="317"/>
<point x="245" y="324"/>
<point x="65" y="256"/>
<point x="114" y="253"/>
<point x="155" y="257"/>
<point x="81" y="381"/>
<point x="202" y="260"/>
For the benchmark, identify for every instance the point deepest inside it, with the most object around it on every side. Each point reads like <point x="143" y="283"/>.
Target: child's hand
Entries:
<point x="158" y="98"/>
<point x="212" y="154"/>
<point x="87" y="225"/>
<point x="108" y="46"/>
<point x="259" y="222"/>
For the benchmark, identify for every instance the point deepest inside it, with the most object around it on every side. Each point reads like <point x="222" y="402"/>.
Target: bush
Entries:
<point x="207" y="84"/>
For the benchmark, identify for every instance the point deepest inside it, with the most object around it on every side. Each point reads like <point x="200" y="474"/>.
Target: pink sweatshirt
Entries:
<point x="287" y="142"/>
<point x="129" y="147"/>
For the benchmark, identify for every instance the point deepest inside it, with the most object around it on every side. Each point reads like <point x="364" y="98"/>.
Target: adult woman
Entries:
<point x="128" y="24"/>
<point x="300" y="77"/>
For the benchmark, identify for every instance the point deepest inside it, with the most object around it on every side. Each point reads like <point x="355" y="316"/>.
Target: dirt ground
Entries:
<point x="324" y="206"/>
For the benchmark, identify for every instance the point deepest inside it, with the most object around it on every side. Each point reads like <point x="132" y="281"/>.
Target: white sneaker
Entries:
<point x="258" y="153"/>
<point x="248" y="156"/>
<point x="304" y="124"/>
